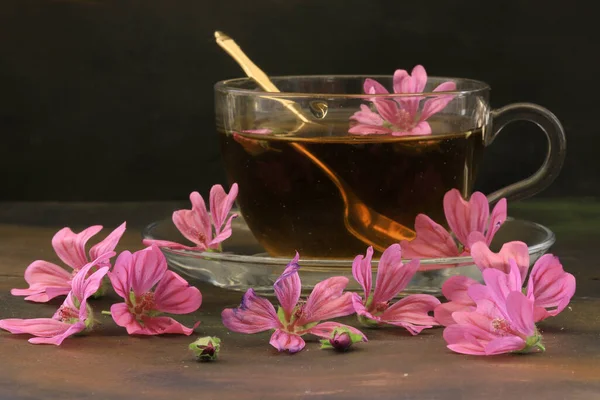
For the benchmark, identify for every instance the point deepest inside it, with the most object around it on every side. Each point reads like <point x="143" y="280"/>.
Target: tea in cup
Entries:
<point x="332" y="164"/>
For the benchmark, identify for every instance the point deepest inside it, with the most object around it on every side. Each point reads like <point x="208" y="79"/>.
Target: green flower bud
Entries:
<point x="206" y="348"/>
<point x="341" y="339"/>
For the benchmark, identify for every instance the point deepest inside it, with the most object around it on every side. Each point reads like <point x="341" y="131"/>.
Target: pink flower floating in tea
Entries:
<point x="503" y="319"/>
<point x="294" y="318"/>
<point x="549" y="286"/>
<point x="469" y="221"/>
<point x="400" y="116"/>
<point x="205" y="230"/>
<point x="393" y="276"/>
<point x="47" y="280"/>
<point x="149" y="289"/>
<point x="74" y="315"/>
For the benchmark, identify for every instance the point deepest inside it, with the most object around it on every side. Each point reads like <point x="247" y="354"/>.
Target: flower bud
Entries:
<point x="206" y="348"/>
<point x="341" y="339"/>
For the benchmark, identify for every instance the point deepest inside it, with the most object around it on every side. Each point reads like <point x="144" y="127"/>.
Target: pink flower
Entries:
<point x="294" y="318"/>
<point x="401" y="116"/>
<point x="502" y="322"/>
<point x="470" y="222"/>
<point x="74" y="315"/>
<point x="550" y="287"/>
<point x="47" y="280"/>
<point x="392" y="277"/>
<point x="455" y="289"/>
<point x="205" y="230"/>
<point x="149" y="289"/>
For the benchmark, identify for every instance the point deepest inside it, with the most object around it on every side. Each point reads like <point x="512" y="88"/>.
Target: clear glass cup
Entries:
<point x="326" y="170"/>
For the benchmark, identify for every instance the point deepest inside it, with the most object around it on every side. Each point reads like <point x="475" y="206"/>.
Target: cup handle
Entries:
<point x="556" y="150"/>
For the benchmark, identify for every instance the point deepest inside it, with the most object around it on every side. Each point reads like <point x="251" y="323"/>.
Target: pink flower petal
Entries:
<point x="162" y="326"/>
<point x="399" y="76"/>
<point x="43" y="327"/>
<point x="497" y="218"/>
<point x="123" y="317"/>
<point x="432" y="241"/>
<point x="520" y="312"/>
<point x="174" y="295"/>
<point x="482" y="318"/>
<point x="120" y="275"/>
<point x="550" y="285"/>
<point x="108" y="244"/>
<point x="414" y="83"/>
<point x="325" y="329"/>
<point x="42" y="275"/>
<point x="69" y="303"/>
<point x="371" y="86"/>
<point x="360" y="309"/>
<point x="420" y="78"/>
<point x="254" y="315"/>
<point x="83" y="286"/>
<point x="362" y="129"/>
<point x="70" y="246"/>
<point x="475" y="237"/>
<point x="367" y="117"/>
<point x="392" y="275"/>
<point x="540" y="313"/>
<point x="455" y="289"/>
<point x="327" y="301"/>
<point x="500" y="284"/>
<point x="361" y="270"/>
<point x="503" y="345"/>
<point x="220" y="205"/>
<point x="443" y="312"/>
<point x="147" y="267"/>
<point x="194" y="224"/>
<point x="283" y="341"/>
<point x="485" y="258"/>
<point x="438" y="103"/>
<point x="412" y="313"/>
<point x="388" y="109"/>
<point x="288" y="287"/>
<point x="225" y="232"/>
<point x="465" y="217"/>
<point x="479" y="292"/>
<point x="467" y="339"/>
<point x="58" y="339"/>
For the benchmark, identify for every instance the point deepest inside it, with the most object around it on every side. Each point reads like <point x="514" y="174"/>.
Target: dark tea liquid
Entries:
<point x="290" y="204"/>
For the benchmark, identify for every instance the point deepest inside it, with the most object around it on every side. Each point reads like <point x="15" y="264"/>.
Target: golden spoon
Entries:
<point x="364" y="223"/>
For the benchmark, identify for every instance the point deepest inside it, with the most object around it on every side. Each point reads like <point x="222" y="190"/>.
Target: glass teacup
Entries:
<point x="327" y="170"/>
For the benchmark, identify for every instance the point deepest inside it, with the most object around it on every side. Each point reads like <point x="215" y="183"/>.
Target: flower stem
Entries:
<point x="104" y="312"/>
<point x="540" y="346"/>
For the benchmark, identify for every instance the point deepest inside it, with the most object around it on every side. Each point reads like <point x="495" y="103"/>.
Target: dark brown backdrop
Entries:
<point x="112" y="99"/>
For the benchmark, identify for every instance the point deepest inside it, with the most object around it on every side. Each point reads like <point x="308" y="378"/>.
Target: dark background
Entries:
<point x="113" y="99"/>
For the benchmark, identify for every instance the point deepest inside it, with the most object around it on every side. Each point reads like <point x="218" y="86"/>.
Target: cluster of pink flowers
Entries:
<point x="496" y="317"/>
<point x="493" y="317"/>
<point x="141" y="278"/>
<point x="500" y="316"/>
<point x="480" y="319"/>
<point x="469" y="221"/>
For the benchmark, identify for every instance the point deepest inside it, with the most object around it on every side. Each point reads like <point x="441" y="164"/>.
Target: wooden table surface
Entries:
<point x="109" y="364"/>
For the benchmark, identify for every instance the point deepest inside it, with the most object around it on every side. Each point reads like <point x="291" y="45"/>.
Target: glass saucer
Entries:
<point x="244" y="263"/>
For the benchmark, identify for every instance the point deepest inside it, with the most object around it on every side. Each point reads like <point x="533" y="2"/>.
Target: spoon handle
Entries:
<point x="231" y="47"/>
